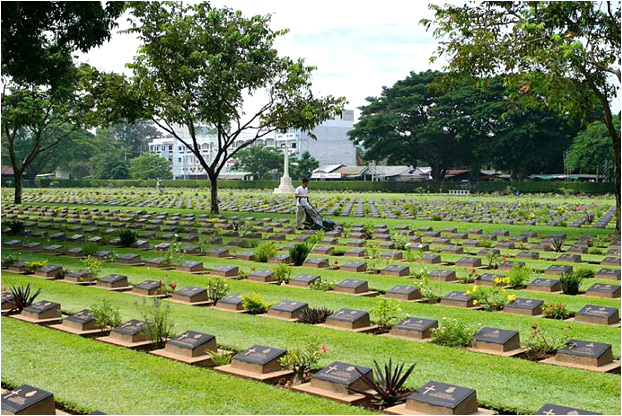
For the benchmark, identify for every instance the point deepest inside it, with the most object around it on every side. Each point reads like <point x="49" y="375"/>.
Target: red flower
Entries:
<point x="324" y="348"/>
<point x="473" y="270"/>
<point x="336" y="262"/>
<point x="160" y="282"/>
<point x="3" y="288"/>
<point x="173" y="285"/>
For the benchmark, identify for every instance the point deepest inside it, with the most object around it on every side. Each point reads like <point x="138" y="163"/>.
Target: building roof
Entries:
<point x="327" y="168"/>
<point x="7" y="170"/>
<point x="388" y="171"/>
<point x="352" y="170"/>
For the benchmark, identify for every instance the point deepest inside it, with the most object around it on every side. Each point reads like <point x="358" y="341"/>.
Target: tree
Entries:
<point x="565" y="52"/>
<point x="304" y="166"/>
<point x="259" y="160"/>
<point x="195" y="66"/>
<point x="590" y="151"/>
<point x="39" y="37"/>
<point x="109" y="166"/>
<point x="149" y="166"/>
<point x="135" y="136"/>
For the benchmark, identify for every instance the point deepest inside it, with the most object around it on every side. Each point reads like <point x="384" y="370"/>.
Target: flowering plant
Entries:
<point x="300" y="360"/>
<point x="493" y="299"/>
<point x="556" y="311"/>
<point x="453" y="333"/>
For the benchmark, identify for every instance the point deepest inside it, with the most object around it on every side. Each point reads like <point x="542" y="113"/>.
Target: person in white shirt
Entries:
<point x="302" y="200"/>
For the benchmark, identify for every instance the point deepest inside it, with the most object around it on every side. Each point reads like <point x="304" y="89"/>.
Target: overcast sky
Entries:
<point x="357" y="46"/>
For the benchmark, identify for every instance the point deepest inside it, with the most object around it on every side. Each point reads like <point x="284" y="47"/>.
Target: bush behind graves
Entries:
<point x="387" y="386"/>
<point x="314" y="315"/>
<point x="282" y="273"/>
<point x="106" y="316"/>
<point x="470" y="277"/>
<point x="17" y="227"/>
<point x="324" y="285"/>
<point x="265" y="252"/>
<point x="400" y="240"/>
<point x="93" y="266"/>
<point x="127" y="237"/>
<point x="301" y="359"/>
<point x="221" y="358"/>
<point x="254" y="304"/>
<point x="453" y="333"/>
<point x="387" y="313"/>
<point x="10" y="258"/>
<point x="571" y="282"/>
<point x="556" y="311"/>
<point x="158" y="322"/>
<point x="299" y="253"/>
<point x="89" y="249"/>
<point x="492" y="299"/>
<point x="519" y="276"/>
<point x="585" y="273"/>
<point x="23" y="296"/>
<point x="33" y="266"/>
<point x="541" y="344"/>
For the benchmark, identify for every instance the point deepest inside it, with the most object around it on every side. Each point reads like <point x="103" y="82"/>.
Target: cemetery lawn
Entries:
<point x="153" y="385"/>
<point x="87" y="375"/>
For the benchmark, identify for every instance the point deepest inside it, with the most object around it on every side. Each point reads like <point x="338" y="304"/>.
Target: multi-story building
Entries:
<point x="332" y="146"/>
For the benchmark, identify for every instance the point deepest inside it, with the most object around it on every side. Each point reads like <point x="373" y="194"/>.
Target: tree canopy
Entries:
<point x="259" y="160"/>
<point x="590" y="151"/>
<point x="149" y="166"/>
<point x="303" y="167"/>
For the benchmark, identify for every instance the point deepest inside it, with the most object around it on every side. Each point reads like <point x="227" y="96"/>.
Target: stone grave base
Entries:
<point x="613" y="367"/>
<point x="542" y="289"/>
<point x="115" y="289"/>
<point x="527" y="312"/>
<point x="48" y="321"/>
<point x="352" y="399"/>
<point x="155" y="266"/>
<point x="75" y="282"/>
<point x="43" y="277"/>
<point x="199" y="272"/>
<point x="407" y="338"/>
<point x="363" y="330"/>
<point x="279" y="317"/>
<point x="270" y="378"/>
<point x="615" y="324"/>
<point x="142" y="345"/>
<point x="183" y="302"/>
<point x="595" y="294"/>
<point x="204" y="360"/>
<point x="401" y="409"/>
<point x="511" y="353"/>
<point x="162" y="296"/>
<point x="91" y="333"/>
<point x="227" y="307"/>
<point x="369" y="293"/>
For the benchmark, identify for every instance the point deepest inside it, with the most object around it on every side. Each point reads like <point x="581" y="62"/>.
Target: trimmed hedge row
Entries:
<point x="358" y="186"/>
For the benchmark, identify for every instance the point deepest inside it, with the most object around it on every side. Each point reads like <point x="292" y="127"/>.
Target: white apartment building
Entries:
<point x="331" y="147"/>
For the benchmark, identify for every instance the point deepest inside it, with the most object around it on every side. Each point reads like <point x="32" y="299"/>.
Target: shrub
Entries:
<point x="158" y="322"/>
<point x="17" y="227"/>
<point x="519" y="276"/>
<point x="428" y="292"/>
<point x="93" y="266"/>
<point x="493" y="260"/>
<point x="595" y="250"/>
<point x="540" y="344"/>
<point x="452" y="333"/>
<point x="470" y="277"/>
<point x="556" y="311"/>
<point x="10" y="259"/>
<point x="388" y="385"/>
<point x="400" y="240"/>
<point x="299" y="360"/>
<point x="105" y="315"/>
<point x="282" y="273"/>
<point x="33" y="266"/>
<point x="221" y="358"/>
<point x="324" y="285"/>
<point x="570" y="282"/>
<point x="89" y="249"/>
<point x="23" y="296"/>
<point x="314" y="315"/>
<point x="585" y="273"/>
<point x="127" y="237"/>
<point x="265" y="252"/>
<point x="493" y="299"/>
<point x="299" y="253"/>
<point x="387" y="313"/>
<point x="558" y="244"/>
<point x="217" y="289"/>
<point x="254" y="304"/>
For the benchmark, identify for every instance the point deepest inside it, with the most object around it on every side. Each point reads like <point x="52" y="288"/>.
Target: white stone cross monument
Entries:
<point x="285" y="186"/>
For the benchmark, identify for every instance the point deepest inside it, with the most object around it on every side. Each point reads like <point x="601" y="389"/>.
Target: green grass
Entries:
<point x="88" y="375"/>
<point x="530" y="386"/>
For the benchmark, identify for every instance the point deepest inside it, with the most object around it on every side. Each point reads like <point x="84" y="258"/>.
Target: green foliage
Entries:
<point x="254" y="304"/>
<point x="323" y="285"/>
<point x="299" y="253"/>
<point x="17" y="227"/>
<point x="590" y="151"/>
<point x="541" y="344"/>
<point x="387" y="386"/>
<point x="492" y="299"/>
<point x="303" y="167"/>
<point x="127" y="237"/>
<point x="259" y="160"/>
<point x="93" y="266"/>
<point x="584" y="273"/>
<point x="106" y="316"/>
<point x="519" y="276"/>
<point x="265" y="251"/>
<point x="221" y="358"/>
<point x="282" y="273"/>
<point x="400" y="240"/>
<point x="89" y="249"/>
<point x="149" y="166"/>
<point x="387" y="313"/>
<point x="301" y="359"/>
<point x="23" y="296"/>
<point x="452" y="333"/>
<point x="558" y="310"/>
<point x="110" y="165"/>
<point x="158" y="322"/>
<point x="571" y="282"/>
<point x="217" y="289"/>
<point x="33" y="266"/>
<point x="314" y="316"/>
<point x="10" y="258"/>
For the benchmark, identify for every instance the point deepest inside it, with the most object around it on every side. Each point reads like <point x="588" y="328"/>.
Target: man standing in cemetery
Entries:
<point x="302" y="201"/>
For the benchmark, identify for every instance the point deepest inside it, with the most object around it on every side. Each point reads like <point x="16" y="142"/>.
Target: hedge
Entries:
<point x="590" y="188"/>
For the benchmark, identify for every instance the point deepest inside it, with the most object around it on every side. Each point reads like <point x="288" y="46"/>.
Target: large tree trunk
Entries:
<point x="213" y="179"/>
<point x="32" y="176"/>
<point x="17" y="175"/>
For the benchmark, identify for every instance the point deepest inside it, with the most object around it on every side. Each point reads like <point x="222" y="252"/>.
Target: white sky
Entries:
<point x="357" y="46"/>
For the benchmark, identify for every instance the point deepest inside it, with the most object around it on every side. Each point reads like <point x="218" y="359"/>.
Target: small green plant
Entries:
<point x="519" y="276"/>
<point x="323" y="285"/>
<point x="254" y="305"/>
<point x="540" y="344"/>
<point x="282" y="273"/>
<point x="301" y="359"/>
<point x="299" y="253"/>
<point x="217" y="289"/>
<point x="387" y="386"/>
<point x="372" y="248"/>
<point x="158" y="322"/>
<point x="470" y="277"/>
<point x="428" y="292"/>
<point x="23" y="296"/>
<point x="595" y="251"/>
<point x="93" y="266"/>
<point x="33" y="266"/>
<point x="387" y="313"/>
<point x="265" y="252"/>
<point x="17" y="227"/>
<point x="571" y="282"/>
<point x="400" y="240"/>
<point x="314" y="315"/>
<point x="221" y="358"/>
<point x="452" y="333"/>
<point x="492" y="299"/>
<point x="127" y="237"/>
<point x="105" y="315"/>
<point x="172" y="256"/>
<point x="558" y="244"/>
<point x="493" y="260"/>
<point x="585" y="273"/>
<point x="556" y="311"/>
<point x="10" y="258"/>
<point x="89" y="249"/>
